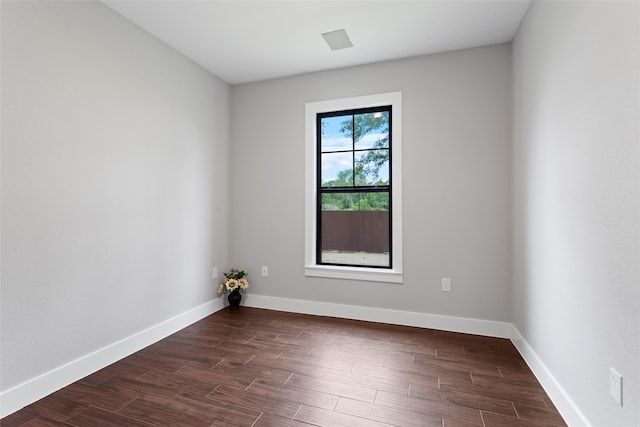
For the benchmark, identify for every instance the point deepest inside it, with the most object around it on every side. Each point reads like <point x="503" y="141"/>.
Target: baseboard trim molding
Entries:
<point x="383" y="315"/>
<point x="566" y="406"/>
<point x="17" y="397"/>
<point x="36" y="388"/>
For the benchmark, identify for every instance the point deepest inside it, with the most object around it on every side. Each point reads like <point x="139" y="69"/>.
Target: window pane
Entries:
<point x="372" y="167"/>
<point x="347" y="201"/>
<point x="336" y="133"/>
<point x="372" y="130"/>
<point x="355" y="229"/>
<point x="337" y="169"/>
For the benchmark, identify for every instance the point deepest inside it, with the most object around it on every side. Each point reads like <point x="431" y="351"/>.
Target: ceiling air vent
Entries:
<point x="338" y="39"/>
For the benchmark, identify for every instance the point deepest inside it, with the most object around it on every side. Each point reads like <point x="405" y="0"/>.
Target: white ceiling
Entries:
<point x="244" y="41"/>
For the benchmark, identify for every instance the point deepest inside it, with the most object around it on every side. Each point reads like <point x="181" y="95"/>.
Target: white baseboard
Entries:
<point x="36" y="388"/>
<point x="382" y="315"/>
<point x="565" y="405"/>
<point x="32" y="390"/>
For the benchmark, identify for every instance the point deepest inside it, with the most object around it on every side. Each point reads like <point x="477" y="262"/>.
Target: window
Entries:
<point x="353" y="188"/>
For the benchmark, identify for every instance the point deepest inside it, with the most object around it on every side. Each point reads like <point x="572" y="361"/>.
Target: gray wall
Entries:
<point x="120" y="188"/>
<point x="455" y="183"/>
<point x="576" y="198"/>
<point x="114" y="183"/>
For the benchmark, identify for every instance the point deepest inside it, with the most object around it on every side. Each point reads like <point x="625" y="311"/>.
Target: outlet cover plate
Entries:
<point x="615" y="385"/>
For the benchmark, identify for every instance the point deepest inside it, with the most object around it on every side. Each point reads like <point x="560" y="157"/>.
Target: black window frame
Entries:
<point x="320" y="190"/>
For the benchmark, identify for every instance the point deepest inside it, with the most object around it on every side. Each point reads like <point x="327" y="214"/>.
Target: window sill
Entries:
<point x="353" y="273"/>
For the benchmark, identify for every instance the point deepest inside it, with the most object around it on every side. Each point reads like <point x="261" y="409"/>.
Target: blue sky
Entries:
<point x="334" y="140"/>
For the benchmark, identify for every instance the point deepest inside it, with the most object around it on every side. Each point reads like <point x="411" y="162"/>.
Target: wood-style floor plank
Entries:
<point x="45" y="422"/>
<point x="99" y="417"/>
<point x="58" y="408"/>
<point x="429" y="408"/>
<point x="295" y="394"/>
<point x="257" y="368"/>
<point x="466" y="400"/>
<point x="272" y="404"/>
<point x="326" y="418"/>
<point x="222" y="413"/>
<point x="353" y="391"/>
<point x="270" y="420"/>
<point x="383" y="414"/>
<point x="164" y="414"/>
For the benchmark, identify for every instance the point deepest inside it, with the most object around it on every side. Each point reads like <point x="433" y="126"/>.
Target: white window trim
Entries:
<point x="394" y="274"/>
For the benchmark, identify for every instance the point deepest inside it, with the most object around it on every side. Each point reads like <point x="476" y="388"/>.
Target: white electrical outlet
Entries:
<point x="214" y="272"/>
<point x="446" y="285"/>
<point x="265" y="271"/>
<point x="615" y="385"/>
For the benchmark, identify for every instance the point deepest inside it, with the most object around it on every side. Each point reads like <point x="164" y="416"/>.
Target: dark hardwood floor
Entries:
<point x="255" y="367"/>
